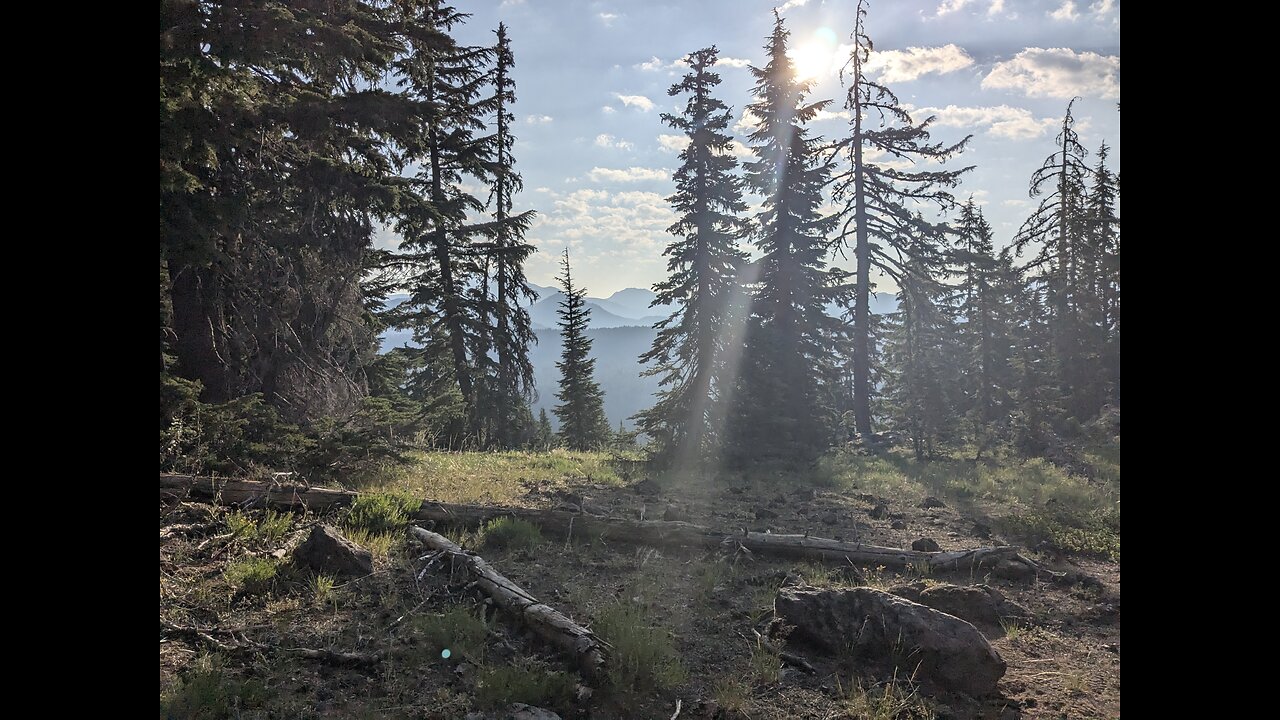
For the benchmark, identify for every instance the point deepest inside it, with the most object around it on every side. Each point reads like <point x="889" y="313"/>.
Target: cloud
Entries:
<point x="733" y="62"/>
<point x="1058" y="73"/>
<point x="510" y="3"/>
<point x="673" y="143"/>
<point x="606" y="140"/>
<point x="996" y="7"/>
<point x="607" y="18"/>
<point x="653" y="64"/>
<point x="740" y="151"/>
<point x="909" y="64"/>
<point x="639" y="101"/>
<point x="538" y="119"/>
<point x="949" y="6"/>
<point x="631" y="174"/>
<point x="1003" y="121"/>
<point x="829" y="115"/>
<point x="747" y="124"/>
<point x="624" y="225"/>
<point x="792" y="4"/>
<point x="1102" y="7"/>
<point x="608" y="110"/>
<point x="1066" y="12"/>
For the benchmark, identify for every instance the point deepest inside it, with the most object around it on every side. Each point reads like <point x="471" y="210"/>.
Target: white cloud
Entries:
<point x="1016" y="203"/>
<point x="629" y="225"/>
<point x="733" y="62"/>
<point x="791" y="4"/>
<point x="631" y="174"/>
<point x="607" y="18"/>
<point x="1066" y="12"/>
<point x="638" y="101"/>
<point x="673" y="143"/>
<point x="1013" y="123"/>
<point x="829" y="115"/>
<point x="747" y="124"/>
<point x="608" y="110"/>
<point x="542" y="189"/>
<point x="740" y="151"/>
<point x="510" y="3"/>
<point x="905" y="65"/>
<point x="1057" y="73"/>
<point x="996" y="7"/>
<point x="606" y="140"/>
<point x="538" y="119"/>
<point x="949" y="6"/>
<point x="653" y="64"/>
<point x="385" y="237"/>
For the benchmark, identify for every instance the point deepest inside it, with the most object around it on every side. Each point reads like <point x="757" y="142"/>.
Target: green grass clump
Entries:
<point x="530" y="683"/>
<point x="269" y="530"/>
<point x="458" y="630"/>
<point x="511" y="534"/>
<point x="252" y="575"/>
<point x="1088" y="533"/>
<point x="380" y="512"/>
<point x="643" y="656"/>
<point x="888" y="702"/>
<point x="500" y="478"/>
<point x="379" y="544"/>
<point x="322" y="589"/>
<point x="207" y="692"/>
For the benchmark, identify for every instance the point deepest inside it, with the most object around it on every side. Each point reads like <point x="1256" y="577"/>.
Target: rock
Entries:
<point x="765" y="514"/>
<point x="779" y="500"/>
<point x="925" y="545"/>
<point x="953" y="534"/>
<point x="898" y="525"/>
<point x="674" y="513"/>
<point x="830" y="518"/>
<point x="981" y="530"/>
<point x="981" y="605"/>
<point x="931" y="502"/>
<point x="867" y="497"/>
<point x="880" y="511"/>
<point x="327" y="552"/>
<point x="1013" y="570"/>
<point x="646" y="487"/>
<point x="878" y="626"/>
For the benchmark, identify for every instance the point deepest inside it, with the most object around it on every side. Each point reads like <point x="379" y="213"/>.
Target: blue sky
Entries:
<point x="592" y="79"/>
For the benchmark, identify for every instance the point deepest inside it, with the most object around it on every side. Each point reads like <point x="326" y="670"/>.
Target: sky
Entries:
<point x="592" y="79"/>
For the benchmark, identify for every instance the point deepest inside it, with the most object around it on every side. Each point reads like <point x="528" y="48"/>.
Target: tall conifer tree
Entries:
<point x="581" y="410"/>
<point x="689" y="351"/>
<point x="878" y="220"/>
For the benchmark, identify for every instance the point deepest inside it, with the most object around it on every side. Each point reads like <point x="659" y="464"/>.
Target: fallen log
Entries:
<point x="240" y="644"/>
<point x="587" y="650"/>
<point x="648" y="532"/>
<point x="253" y="493"/>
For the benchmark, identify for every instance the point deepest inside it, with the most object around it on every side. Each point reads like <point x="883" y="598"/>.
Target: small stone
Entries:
<point x="674" y="513"/>
<point x="898" y="525"/>
<point x="932" y="502"/>
<point x="765" y="514"/>
<point x="925" y="545"/>
<point x="981" y="530"/>
<point x="880" y="511"/>
<point x="326" y="551"/>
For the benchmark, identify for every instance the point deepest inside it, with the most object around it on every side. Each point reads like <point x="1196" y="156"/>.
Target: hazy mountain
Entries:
<point x="621" y="329"/>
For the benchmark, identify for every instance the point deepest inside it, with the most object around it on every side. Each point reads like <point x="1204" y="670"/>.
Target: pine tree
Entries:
<point x="581" y="410"/>
<point x="438" y="241"/>
<point x="1103" y="232"/>
<point x="983" y="305"/>
<point x="879" y="198"/>
<point x="1057" y="227"/>
<point x="276" y="155"/>
<point x="544" y="436"/>
<point x="780" y="409"/>
<point x="689" y="351"/>
<point x="920" y="350"/>
<point x="512" y="330"/>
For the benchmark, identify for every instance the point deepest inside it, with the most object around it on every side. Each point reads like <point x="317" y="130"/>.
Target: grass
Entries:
<point x="379" y="544"/>
<point x="530" y="683"/>
<point x="766" y="666"/>
<point x="459" y="631"/>
<point x="267" y="531"/>
<point x="887" y="702"/>
<point x="510" y="534"/>
<point x="731" y="694"/>
<point x="1012" y="629"/>
<point x="378" y="513"/>
<point x="252" y="575"/>
<point x="500" y="478"/>
<point x="643" y="656"/>
<point x="1032" y="500"/>
<point x="322" y="589"/>
<point x="207" y="692"/>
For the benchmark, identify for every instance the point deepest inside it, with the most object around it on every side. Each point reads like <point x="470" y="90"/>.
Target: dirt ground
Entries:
<point x="1063" y="662"/>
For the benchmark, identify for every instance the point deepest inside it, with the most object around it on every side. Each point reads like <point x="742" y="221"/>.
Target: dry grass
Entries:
<point x="498" y="478"/>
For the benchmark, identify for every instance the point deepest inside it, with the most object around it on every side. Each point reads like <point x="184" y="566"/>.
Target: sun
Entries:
<point x="815" y="57"/>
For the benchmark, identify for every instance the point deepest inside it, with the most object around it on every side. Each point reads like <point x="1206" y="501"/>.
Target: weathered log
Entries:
<point x="648" y="532"/>
<point x="253" y="493"/>
<point x="587" y="650"/>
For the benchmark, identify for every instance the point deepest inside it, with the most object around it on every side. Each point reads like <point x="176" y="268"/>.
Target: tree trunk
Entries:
<point x="550" y="624"/>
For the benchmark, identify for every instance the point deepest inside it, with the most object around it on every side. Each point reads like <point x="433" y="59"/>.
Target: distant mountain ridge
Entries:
<point x="621" y="329"/>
